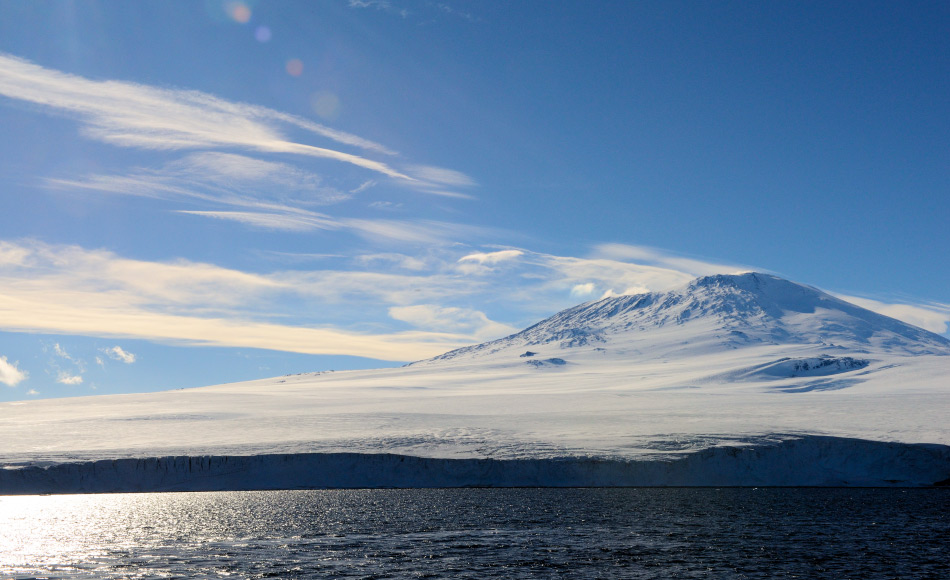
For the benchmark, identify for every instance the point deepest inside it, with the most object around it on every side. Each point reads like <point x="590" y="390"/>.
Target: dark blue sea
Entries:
<point x="481" y="533"/>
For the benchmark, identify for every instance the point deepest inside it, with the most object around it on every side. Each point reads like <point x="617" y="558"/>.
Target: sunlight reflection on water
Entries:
<point x="480" y="533"/>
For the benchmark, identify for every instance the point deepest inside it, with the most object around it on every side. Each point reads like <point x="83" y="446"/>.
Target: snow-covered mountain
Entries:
<point x="712" y="314"/>
<point x="730" y="380"/>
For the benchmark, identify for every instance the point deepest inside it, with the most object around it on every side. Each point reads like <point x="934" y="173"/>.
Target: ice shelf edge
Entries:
<point x="804" y="461"/>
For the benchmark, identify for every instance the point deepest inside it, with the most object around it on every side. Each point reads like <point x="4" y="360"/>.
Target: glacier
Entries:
<point x="745" y="379"/>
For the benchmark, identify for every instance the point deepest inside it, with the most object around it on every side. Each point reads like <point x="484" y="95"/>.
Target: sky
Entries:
<point x="200" y="192"/>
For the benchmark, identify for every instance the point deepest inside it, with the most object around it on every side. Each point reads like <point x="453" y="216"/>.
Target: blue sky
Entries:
<point x="204" y="192"/>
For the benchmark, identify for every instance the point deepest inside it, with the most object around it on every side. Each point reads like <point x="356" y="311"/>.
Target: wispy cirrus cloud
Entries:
<point x="441" y="181"/>
<point x="290" y="222"/>
<point x="441" y="176"/>
<point x="490" y="258"/>
<point x="431" y="9"/>
<point x="616" y="269"/>
<point x="259" y="194"/>
<point x="360" y="310"/>
<point x="381" y="5"/>
<point x="477" y="263"/>
<point x="368" y="184"/>
<point x="240" y="188"/>
<point x="405" y="231"/>
<point x="414" y="231"/>
<point x="599" y="277"/>
<point x="217" y="178"/>
<point x="934" y="317"/>
<point x="249" y="177"/>
<point x="663" y="259"/>
<point x="70" y="290"/>
<point x="134" y="115"/>
<point x="451" y="319"/>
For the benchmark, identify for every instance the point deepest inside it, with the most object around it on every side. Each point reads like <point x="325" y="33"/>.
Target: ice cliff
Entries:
<point x="809" y="461"/>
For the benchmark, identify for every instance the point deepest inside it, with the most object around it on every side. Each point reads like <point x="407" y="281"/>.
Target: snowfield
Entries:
<point x="732" y="380"/>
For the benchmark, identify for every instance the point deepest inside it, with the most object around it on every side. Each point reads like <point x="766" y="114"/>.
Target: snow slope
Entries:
<point x="671" y="384"/>
<point x="717" y="313"/>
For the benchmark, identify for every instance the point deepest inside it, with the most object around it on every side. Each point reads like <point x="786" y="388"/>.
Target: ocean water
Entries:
<point x="481" y="533"/>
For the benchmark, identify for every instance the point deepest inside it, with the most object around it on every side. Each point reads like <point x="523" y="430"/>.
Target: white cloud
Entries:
<point x="68" y="379"/>
<point x="134" y="115"/>
<point x="236" y="182"/>
<point x="272" y="221"/>
<point x="131" y="322"/>
<point x="13" y="255"/>
<point x="254" y="192"/>
<point x="385" y="205"/>
<point x="444" y="192"/>
<point x="412" y="231"/>
<point x="491" y="258"/>
<point x="405" y="231"/>
<point x="118" y="354"/>
<point x="33" y="392"/>
<point x="231" y="181"/>
<point x="429" y="10"/>
<point x="621" y="269"/>
<point x="932" y="317"/>
<point x="653" y="256"/>
<point x="441" y="176"/>
<point x="69" y="290"/>
<point x="363" y="187"/>
<point x="352" y="287"/>
<point x="338" y="136"/>
<point x="446" y="9"/>
<point x="61" y="353"/>
<point x="73" y="377"/>
<point x="10" y="375"/>
<point x="582" y="290"/>
<point x="440" y="181"/>
<point x="352" y="310"/>
<point x="381" y="5"/>
<point x="249" y="177"/>
<point x="453" y="320"/>
<point x="377" y="4"/>
<point x="616" y="277"/>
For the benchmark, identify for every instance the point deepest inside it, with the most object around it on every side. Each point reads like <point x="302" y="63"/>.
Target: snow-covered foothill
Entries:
<point x="731" y="380"/>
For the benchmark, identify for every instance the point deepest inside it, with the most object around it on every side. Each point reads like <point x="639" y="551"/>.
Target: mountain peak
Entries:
<point x="766" y="289"/>
<point x="716" y="313"/>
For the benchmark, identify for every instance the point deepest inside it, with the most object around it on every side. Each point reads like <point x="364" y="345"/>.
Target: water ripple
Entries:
<point x="480" y="533"/>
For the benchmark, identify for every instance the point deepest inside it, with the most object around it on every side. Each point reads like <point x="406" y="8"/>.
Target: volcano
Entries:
<point x="715" y="314"/>
<point x="744" y="379"/>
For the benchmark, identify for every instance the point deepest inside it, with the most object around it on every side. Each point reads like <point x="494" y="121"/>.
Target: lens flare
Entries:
<point x="325" y="104"/>
<point x="294" y="67"/>
<point x="239" y="12"/>
<point x="262" y="34"/>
